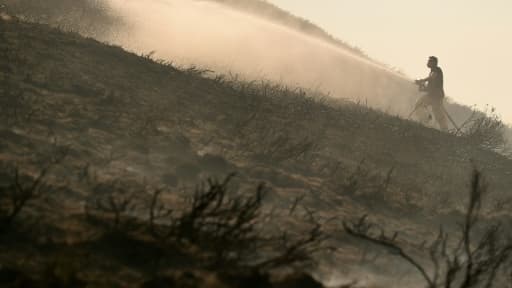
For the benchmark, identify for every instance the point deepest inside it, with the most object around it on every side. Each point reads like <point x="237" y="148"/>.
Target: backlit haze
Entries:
<point x="472" y="39"/>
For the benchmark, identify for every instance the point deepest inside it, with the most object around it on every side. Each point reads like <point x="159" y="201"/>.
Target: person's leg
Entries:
<point x="421" y="102"/>
<point x="438" y="111"/>
<point x="423" y="115"/>
<point x="420" y="109"/>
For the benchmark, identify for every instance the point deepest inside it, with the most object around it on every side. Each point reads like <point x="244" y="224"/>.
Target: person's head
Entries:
<point x="432" y="62"/>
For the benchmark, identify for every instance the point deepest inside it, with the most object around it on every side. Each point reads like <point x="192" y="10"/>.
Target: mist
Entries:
<point x="216" y="37"/>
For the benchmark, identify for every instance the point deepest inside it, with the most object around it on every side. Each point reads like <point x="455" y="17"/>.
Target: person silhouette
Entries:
<point x="433" y="85"/>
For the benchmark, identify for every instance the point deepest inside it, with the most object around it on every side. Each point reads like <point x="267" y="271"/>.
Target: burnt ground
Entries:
<point x="94" y="113"/>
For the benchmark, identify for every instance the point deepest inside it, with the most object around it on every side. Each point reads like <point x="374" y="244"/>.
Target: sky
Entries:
<point x="471" y="38"/>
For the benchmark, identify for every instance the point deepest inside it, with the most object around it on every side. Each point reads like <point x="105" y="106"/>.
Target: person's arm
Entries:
<point x="421" y="81"/>
<point x="433" y="75"/>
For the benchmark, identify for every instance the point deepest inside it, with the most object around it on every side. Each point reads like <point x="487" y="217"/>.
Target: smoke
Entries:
<point x="211" y="35"/>
<point x="89" y="17"/>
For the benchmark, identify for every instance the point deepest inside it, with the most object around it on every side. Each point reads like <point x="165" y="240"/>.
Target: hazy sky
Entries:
<point x="471" y="38"/>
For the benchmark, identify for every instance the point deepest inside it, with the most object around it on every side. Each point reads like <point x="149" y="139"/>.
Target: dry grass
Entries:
<point x="161" y="130"/>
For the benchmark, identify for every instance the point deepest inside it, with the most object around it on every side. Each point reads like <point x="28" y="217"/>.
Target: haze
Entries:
<point x="213" y="36"/>
<point x="471" y="38"/>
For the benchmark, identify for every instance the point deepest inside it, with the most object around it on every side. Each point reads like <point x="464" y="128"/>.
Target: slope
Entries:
<point x="117" y="115"/>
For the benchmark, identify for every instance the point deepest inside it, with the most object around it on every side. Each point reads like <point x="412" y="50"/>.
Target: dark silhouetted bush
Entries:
<point x="473" y="259"/>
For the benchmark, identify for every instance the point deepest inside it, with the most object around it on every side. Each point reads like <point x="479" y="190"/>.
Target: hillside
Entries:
<point x="281" y="53"/>
<point x="262" y="8"/>
<point x="97" y="117"/>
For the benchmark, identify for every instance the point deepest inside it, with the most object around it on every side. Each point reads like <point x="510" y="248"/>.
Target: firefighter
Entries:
<point x="434" y="96"/>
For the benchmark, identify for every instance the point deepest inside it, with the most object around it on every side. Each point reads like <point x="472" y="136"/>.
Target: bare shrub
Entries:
<point x="226" y="224"/>
<point x="223" y="225"/>
<point x="22" y="187"/>
<point x="158" y="213"/>
<point x="295" y="250"/>
<point x="112" y="206"/>
<point x="218" y="226"/>
<point x="472" y="259"/>
<point x="485" y="129"/>
<point x="16" y="195"/>
<point x="230" y="229"/>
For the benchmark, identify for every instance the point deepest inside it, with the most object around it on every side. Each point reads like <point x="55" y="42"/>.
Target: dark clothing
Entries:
<point x="435" y="83"/>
